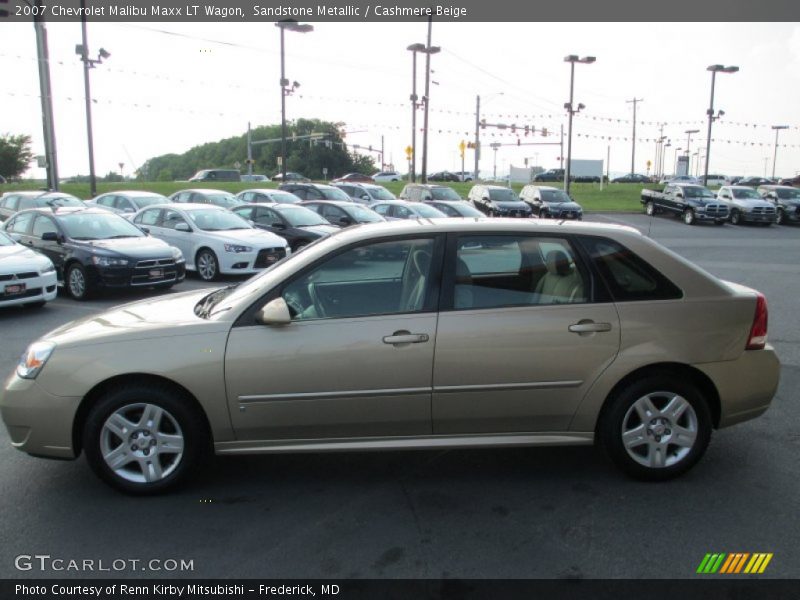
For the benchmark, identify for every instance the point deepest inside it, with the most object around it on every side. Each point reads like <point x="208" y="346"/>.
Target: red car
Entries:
<point x="352" y="178"/>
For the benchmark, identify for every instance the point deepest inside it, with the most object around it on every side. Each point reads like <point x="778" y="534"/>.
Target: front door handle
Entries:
<point x="405" y="337"/>
<point x="585" y="326"/>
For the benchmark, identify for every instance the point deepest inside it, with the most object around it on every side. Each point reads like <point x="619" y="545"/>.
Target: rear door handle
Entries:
<point x="589" y="326"/>
<point x="405" y="337"/>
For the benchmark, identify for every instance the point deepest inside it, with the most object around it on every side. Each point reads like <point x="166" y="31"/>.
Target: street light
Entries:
<point x="427" y="99"/>
<point x="287" y="25"/>
<point x="82" y="50"/>
<point x="777" y="128"/>
<point x="572" y="59"/>
<point x="688" y="133"/>
<point x="710" y="112"/>
<point x="668" y="144"/>
<point x="478" y="131"/>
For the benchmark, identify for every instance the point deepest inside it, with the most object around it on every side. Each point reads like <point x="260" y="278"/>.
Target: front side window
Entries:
<point x="382" y="209"/>
<point x="19" y="224"/>
<point x="495" y="271"/>
<point x="148" y="217"/>
<point x="43" y="225"/>
<point x="267" y="218"/>
<point x="105" y="201"/>
<point x="376" y="279"/>
<point x="444" y="193"/>
<point x="172" y="218"/>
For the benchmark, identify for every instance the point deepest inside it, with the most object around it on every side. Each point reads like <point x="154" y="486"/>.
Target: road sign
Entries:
<point x="324" y="170"/>
<point x="409" y="151"/>
<point x="279" y="160"/>
<point x="462" y="145"/>
<point x="237" y="165"/>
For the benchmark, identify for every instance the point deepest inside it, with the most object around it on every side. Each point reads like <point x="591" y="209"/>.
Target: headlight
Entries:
<point x="34" y="359"/>
<point x="109" y="261"/>
<point x="177" y="254"/>
<point x="48" y="269"/>
<point x="236" y="248"/>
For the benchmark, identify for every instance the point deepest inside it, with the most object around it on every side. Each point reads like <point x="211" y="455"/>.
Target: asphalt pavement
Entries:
<point x="510" y="513"/>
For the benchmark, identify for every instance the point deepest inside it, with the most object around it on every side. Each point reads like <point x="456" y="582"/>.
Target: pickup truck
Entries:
<point x="747" y="206"/>
<point x="692" y="203"/>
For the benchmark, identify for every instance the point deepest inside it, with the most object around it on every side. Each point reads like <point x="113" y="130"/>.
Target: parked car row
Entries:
<point x="738" y="204"/>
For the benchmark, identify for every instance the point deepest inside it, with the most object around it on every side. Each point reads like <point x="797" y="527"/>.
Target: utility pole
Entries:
<point x="635" y="101"/>
<point x="249" y="151"/>
<point x="777" y="128"/>
<point x="46" y="94"/>
<point x="561" y="156"/>
<point x="428" y="53"/>
<point x="477" y="136"/>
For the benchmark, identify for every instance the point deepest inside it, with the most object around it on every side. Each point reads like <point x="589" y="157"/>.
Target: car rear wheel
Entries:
<point x="688" y="216"/>
<point x="657" y="428"/>
<point x="207" y="265"/>
<point x="650" y="209"/>
<point x="78" y="283"/>
<point x="144" y="439"/>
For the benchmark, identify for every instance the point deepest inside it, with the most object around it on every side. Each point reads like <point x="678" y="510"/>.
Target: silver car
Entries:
<point x="443" y="333"/>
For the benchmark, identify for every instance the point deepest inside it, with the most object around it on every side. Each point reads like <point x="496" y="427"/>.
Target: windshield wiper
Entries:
<point x="203" y="308"/>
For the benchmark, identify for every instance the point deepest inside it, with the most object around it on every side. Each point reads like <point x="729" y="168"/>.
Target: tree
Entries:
<point x="15" y="154"/>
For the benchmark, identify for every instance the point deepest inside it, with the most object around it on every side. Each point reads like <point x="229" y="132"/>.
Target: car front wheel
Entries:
<point x="688" y="216"/>
<point x="144" y="439"/>
<point x="650" y="209"/>
<point x="657" y="428"/>
<point x="78" y="283"/>
<point x="207" y="265"/>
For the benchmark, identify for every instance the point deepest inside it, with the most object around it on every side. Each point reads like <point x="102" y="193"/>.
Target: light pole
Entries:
<point x="777" y="128"/>
<point x="689" y="133"/>
<point x="427" y="99"/>
<point x="414" y="48"/>
<point x="710" y="112"/>
<point x="82" y="50"/>
<point x="635" y="101"/>
<point x="675" y="162"/>
<point x="45" y="91"/>
<point x="663" y="154"/>
<point x="287" y="25"/>
<point x="572" y="59"/>
<point x="478" y="132"/>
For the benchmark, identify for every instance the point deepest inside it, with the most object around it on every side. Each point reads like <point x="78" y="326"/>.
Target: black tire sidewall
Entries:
<point x="193" y="427"/>
<point x="610" y="426"/>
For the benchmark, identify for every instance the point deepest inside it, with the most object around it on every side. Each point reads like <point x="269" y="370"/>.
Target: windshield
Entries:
<point x="503" y="195"/>
<point x="59" y="201"/>
<point x="364" y="215"/>
<point x="223" y="199"/>
<point x="333" y="193"/>
<point x="745" y="193"/>
<point x="142" y="201"/>
<point x="380" y="193"/>
<point x="555" y="196"/>
<point x="217" y="220"/>
<point x="423" y="210"/>
<point x="698" y="192"/>
<point x="299" y="216"/>
<point x="5" y="240"/>
<point x="96" y="226"/>
<point x="444" y="193"/>
<point x="283" y="198"/>
<point x="792" y="194"/>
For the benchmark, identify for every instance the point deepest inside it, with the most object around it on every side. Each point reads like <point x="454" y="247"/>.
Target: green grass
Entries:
<point x="615" y="197"/>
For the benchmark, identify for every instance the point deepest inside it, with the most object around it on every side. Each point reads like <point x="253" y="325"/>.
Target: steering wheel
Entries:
<point x="293" y="302"/>
<point x="315" y="302"/>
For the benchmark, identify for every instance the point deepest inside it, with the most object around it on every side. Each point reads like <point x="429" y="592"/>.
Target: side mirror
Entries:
<point x="274" y="312"/>
<point x="50" y="236"/>
<point x="182" y="227"/>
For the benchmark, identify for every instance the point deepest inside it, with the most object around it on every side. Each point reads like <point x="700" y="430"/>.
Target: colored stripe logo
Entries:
<point x="734" y="563"/>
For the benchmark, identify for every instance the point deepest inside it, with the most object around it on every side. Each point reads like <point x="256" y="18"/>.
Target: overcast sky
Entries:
<point x="168" y="87"/>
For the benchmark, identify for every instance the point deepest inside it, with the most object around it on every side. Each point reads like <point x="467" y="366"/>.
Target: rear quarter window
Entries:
<point x="628" y="276"/>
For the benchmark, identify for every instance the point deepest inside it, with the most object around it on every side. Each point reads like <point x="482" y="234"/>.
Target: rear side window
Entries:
<point x="19" y="224"/>
<point x="628" y="277"/>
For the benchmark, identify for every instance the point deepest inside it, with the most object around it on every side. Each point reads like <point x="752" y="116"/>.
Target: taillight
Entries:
<point x="758" y="332"/>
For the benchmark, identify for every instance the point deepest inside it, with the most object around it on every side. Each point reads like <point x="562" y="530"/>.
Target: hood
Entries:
<point x="753" y="203"/>
<point x="562" y="206"/>
<point x="320" y="229"/>
<point x="703" y="201"/>
<point x="169" y="315"/>
<point x="511" y="204"/>
<point x="19" y="258"/>
<point x="254" y="237"/>
<point x="139" y="248"/>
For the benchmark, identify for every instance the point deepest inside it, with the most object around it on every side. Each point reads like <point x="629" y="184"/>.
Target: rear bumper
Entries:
<point x="746" y="385"/>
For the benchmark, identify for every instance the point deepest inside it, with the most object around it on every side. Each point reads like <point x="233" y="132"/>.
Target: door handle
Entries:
<point x="405" y="337"/>
<point x="588" y="326"/>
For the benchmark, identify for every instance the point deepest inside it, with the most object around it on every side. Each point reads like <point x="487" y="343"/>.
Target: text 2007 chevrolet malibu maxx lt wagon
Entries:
<point x="410" y="334"/>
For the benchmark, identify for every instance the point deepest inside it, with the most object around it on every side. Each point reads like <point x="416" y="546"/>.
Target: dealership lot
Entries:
<point x="561" y="512"/>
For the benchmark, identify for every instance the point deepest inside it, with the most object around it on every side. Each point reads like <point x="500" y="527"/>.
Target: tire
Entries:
<point x="669" y="446"/>
<point x="207" y="265"/>
<point x="78" y="283"/>
<point x="736" y="218"/>
<point x="780" y="217"/>
<point x="688" y="216"/>
<point x="144" y="439"/>
<point x="649" y="209"/>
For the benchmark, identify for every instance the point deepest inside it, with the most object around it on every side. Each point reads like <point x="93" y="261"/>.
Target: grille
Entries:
<point x="717" y="209"/>
<point x="158" y="262"/>
<point x="26" y="275"/>
<point x="143" y="273"/>
<point x="764" y="210"/>
<point x="268" y="257"/>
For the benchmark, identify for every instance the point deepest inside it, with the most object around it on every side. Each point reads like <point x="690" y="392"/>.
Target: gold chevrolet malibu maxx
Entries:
<point x="412" y="334"/>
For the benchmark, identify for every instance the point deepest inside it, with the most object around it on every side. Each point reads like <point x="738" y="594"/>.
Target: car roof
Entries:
<point x="772" y="186"/>
<point x="496" y="187"/>
<point x="544" y="187"/>
<point x="334" y="202"/>
<point x="133" y="193"/>
<point x="187" y="206"/>
<point x="265" y="191"/>
<point x="60" y="211"/>
<point x="201" y="191"/>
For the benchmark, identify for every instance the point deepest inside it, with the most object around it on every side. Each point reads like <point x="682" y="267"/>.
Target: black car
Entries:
<point x="291" y="177"/>
<point x="93" y="249"/>
<point x="550" y="203"/>
<point x="298" y="225"/>
<point x="452" y="208"/>
<point x="343" y="214"/>
<point x="793" y="181"/>
<point x="550" y="175"/>
<point x="443" y="176"/>
<point x="13" y="202"/>
<point x="205" y="196"/>
<point x="632" y="178"/>
<point x="787" y="202"/>
<point x="315" y="191"/>
<point x="755" y="181"/>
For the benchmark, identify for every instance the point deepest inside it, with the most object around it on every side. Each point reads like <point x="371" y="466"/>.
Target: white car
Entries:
<point x="387" y="176"/>
<point x="213" y="240"/>
<point x="26" y="277"/>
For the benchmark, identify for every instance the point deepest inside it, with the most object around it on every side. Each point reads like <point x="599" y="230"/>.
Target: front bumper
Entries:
<point x="232" y="263"/>
<point x="38" y="422"/>
<point x="37" y="289"/>
<point x="758" y="217"/>
<point x="142" y="275"/>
